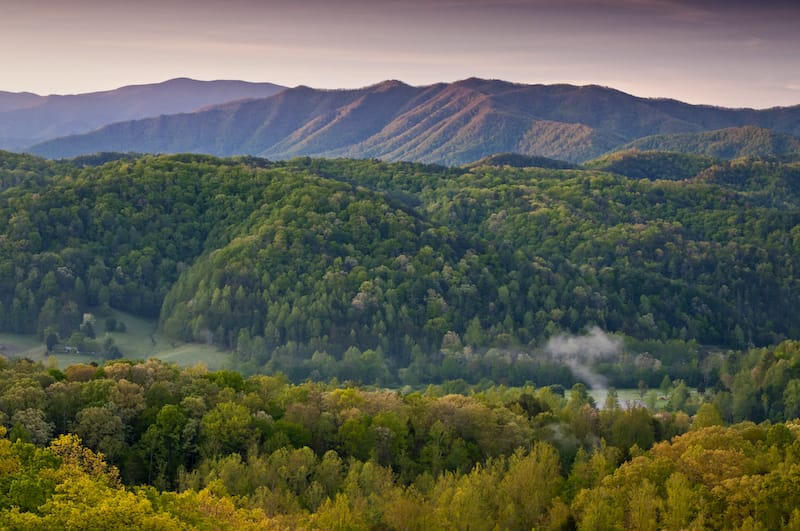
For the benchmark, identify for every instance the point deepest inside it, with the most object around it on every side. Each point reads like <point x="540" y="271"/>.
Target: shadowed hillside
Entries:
<point x="652" y="164"/>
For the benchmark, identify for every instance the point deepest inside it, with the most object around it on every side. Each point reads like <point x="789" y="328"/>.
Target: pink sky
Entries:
<point x="721" y="52"/>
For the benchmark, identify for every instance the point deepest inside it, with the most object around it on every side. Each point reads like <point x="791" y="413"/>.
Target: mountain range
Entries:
<point x="26" y="119"/>
<point x="445" y="123"/>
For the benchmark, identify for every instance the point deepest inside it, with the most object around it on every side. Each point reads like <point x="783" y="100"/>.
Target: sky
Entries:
<point x="730" y="53"/>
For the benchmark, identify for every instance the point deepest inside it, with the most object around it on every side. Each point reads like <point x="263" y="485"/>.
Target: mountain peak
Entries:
<point x="388" y="85"/>
<point x="179" y="81"/>
<point x="486" y="85"/>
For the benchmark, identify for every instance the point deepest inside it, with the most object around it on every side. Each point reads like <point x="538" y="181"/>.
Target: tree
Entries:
<point x="102" y="431"/>
<point x="336" y="515"/>
<point x="679" y="397"/>
<point x="35" y="425"/>
<point x="531" y="484"/>
<point x="644" y="507"/>
<point x="63" y="403"/>
<point x="791" y="399"/>
<point x="680" y="503"/>
<point x="745" y="403"/>
<point x="51" y="341"/>
<point x="225" y="429"/>
<point x="707" y="415"/>
<point x="164" y="446"/>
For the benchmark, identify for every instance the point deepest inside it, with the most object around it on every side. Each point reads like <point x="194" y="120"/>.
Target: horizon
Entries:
<point x="712" y="52"/>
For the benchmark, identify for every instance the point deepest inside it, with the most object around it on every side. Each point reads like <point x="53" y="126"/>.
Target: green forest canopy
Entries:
<point x="399" y="273"/>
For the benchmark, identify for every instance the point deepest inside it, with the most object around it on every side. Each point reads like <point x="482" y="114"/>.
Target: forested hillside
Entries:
<point x="402" y="273"/>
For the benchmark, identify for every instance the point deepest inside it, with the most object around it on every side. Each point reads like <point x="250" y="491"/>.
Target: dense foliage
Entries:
<point x="399" y="272"/>
<point x="150" y="446"/>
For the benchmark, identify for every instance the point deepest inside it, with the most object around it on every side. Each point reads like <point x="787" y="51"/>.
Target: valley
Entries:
<point x="400" y="265"/>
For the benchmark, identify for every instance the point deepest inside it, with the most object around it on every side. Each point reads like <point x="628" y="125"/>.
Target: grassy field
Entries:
<point x="18" y="346"/>
<point x="626" y="396"/>
<point x="633" y="396"/>
<point x="139" y="341"/>
<point x="14" y="345"/>
<point x="189" y="354"/>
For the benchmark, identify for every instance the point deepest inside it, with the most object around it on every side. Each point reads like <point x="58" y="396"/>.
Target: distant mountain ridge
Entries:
<point x="446" y="123"/>
<point x="27" y="118"/>
<point x="10" y="101"/>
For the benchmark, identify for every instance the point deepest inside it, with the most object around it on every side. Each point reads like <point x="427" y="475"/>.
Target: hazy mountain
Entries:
<point x="729" y="143"/>
<point x="26" y="118"/>
<point x="10" y="101"/>
<point x="452" y="123"/>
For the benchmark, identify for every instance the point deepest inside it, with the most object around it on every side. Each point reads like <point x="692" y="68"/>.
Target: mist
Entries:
<point x="579" y="353"/>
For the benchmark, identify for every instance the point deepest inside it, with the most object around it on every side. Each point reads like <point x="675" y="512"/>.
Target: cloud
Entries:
<point x="579" y="353"/>
<point x="595" y="345"/>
